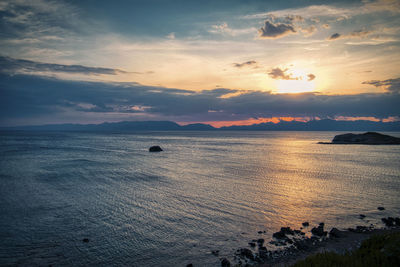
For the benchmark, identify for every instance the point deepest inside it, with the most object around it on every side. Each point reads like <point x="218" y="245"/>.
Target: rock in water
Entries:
<point x="252" y="244"/>
<point x="279" y="235"/>
<point x="287" y="231"/>
<point x="155" y="149"/>
<point x="335" y="233"/>
<point x="369" y="138"/>
<point x="319" y="231"/>
<point x="215" y="252"/>
<point x="225" y="263"/>
<point x="390" y="221"/>
<point x="85" y="240"/>
<point x="245" y="252"/>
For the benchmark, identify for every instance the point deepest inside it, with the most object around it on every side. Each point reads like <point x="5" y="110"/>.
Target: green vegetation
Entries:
<point x="379" y="250"/>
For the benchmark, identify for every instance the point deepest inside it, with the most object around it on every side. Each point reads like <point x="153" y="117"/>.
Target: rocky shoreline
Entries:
<point x="293" y="245"/>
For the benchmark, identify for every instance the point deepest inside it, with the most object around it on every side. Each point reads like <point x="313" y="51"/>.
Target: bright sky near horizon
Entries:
<point x="198" y="61"/>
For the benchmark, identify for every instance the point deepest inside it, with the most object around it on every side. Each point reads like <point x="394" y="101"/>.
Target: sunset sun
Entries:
<point x="297" y="81"/>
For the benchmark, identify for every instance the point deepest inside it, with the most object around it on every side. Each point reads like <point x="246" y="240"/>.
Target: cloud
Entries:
<point x="274" y="31"/>
<point x="334" y="36"/>
<point x="11" y="65"/>
<point x="306" y="19"/>
<point x="49" y="30"/>
<point x="171" y="36"/>
<point x="358" y="34"/>
<point x="28" y="99"/>
<point x="280" y="74"/>
<point x="333" y="11"/>
<point x="277" y="27"/>
<point x="311" y="77"/>
<point x="308" y="31"/>
<point x="245" y="64"/>
<point x="308" y="12"/>
<point x="351" y="35"/>
<point x="223" y="28"/>
<point x="390" y="85"/>
<point x="391" y="6"/>
<point x="294" y="18"/>
<point x="38" y="20"/>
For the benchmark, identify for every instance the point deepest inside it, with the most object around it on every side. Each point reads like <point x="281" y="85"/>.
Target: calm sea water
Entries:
<point x="207" y="191"/>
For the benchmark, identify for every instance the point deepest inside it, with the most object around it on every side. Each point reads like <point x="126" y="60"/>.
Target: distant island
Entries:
<point x="133" y="126"/>
<point x="369" y="138"/>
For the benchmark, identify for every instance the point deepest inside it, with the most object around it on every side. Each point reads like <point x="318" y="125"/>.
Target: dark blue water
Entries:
<point x="207" y="191"/>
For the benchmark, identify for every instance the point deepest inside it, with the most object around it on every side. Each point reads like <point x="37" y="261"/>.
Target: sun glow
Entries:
<point x="299" y="82"/>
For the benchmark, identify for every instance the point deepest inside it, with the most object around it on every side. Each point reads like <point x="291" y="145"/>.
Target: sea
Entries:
<point x="207" y="191"/>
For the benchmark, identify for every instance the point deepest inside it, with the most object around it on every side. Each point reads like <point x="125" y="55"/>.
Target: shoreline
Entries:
<point x="293" y="245"/>
<point x="350" y="241"/>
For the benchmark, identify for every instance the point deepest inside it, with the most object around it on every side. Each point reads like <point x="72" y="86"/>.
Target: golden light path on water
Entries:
<point x="301" y="182"/>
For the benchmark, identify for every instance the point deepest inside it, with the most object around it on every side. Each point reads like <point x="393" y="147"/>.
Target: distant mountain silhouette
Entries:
<point x="198" y="127"/>
<point x="320" y="125"/>
<point x="132" y="126"/>
<point x="123" y="126"/>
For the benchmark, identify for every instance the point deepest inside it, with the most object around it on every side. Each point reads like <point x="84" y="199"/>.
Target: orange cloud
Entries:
<point x="391" y="119"/>
<point x="388" y="119"/>
<point x="344" y="118"/>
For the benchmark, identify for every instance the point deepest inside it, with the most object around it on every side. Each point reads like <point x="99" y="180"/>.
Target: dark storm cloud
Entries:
<point x="30" y="97"/>
<point x="244" y="64"/>
<point x="280" y="74"/>
<point x="11" y="65"/>
<point x="391" y="85"/>
<point x="273" y="31"/>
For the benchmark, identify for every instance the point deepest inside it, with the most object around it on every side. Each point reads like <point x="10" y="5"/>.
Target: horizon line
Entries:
<point x="222" y="124"/>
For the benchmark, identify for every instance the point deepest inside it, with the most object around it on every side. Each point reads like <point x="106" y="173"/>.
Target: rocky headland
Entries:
<point x="368" y="138"/>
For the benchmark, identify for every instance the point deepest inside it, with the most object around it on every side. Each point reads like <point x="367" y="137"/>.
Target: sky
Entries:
<point x="235" y="62"/>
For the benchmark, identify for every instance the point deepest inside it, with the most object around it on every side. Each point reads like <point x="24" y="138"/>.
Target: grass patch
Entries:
<point x="378" y="250"/>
